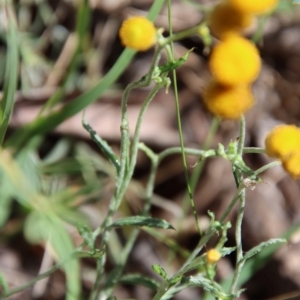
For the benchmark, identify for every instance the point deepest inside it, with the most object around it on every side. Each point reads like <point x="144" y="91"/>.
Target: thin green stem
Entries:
<point x="170" y="53"/>
<point x="199" y="167"/>
<point x="177" y="150"/>
<point x="253" y="150"/>
<point x="123" y="184"/>
<point x="39" y="277"/>
<point x="242" y="201"/>
<point x="268" y="166"/>
<point x="118" y="270"/>
<point x="241" y="141"/>
<point x="238" y="238"/>
<point x="232" y="203"/>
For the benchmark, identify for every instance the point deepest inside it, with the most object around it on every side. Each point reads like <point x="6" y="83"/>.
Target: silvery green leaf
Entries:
<point x="227" y="250"/>
<point x="138" y="279"/>
<point x="142" y="221"/>
<point x="261" y="246"/>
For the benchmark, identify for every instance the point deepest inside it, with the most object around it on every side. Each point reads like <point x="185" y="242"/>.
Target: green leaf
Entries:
<point x="209" y="286"/>
<point x="48" y="228"/>
<point x="160" y="271"/>
<point x="172" y="65"/>
<point x="227" y="250"/>
<point x="138" y="279"/>
<point x="3" y="284"/>
<point x="103" y="146"/>
<point x="11" y="72"/>
<point x="175" y="280"/>
<point x="142" y="221"/>
<point x="6" y="199"/>
<point x="261" y="246"/>
<point x="36" y="228"/>
<point x="87" y="235"/>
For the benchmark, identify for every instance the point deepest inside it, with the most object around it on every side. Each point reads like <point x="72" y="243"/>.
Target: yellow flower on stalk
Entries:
<point x="229" y="102"/>
<point x="213" y="256"/>
<point x="138" y="33"/>
<point x="225" y="19"/>
<point x="282" y="141"/>
<point x="253" y="6"/>
<point x="291" y="164"/>
<point x="235" y="60"/>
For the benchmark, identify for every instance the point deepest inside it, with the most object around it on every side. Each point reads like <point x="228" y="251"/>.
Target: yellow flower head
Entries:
<point x="234" y="61"/>
<point x="253" y="6"/>
<point x="213" y="256"/>
<point x="291" y="164"/>
<point x="282" y="141"/>
<point x="229" y="102"/>
<point x="138" y="33"/>
<point x="225" y="19"/>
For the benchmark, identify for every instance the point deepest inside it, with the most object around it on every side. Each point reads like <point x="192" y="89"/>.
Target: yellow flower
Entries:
<point x="234" y="61"/>
<point x="291" y="164"/>
<point x="213" y="256"/>
<point x="138" y="33"/>
<point x="229" y="102"/>
<point x="253" y="6"/>
<point x="225" y="19"/>
<point x="282" y="141"/>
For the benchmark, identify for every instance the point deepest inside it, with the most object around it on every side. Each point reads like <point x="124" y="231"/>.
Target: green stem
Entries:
<point x="268" y="166"/>
<point x="241" y="141"/>
<point x="121" y="186"/>
<point x="177" y="150"/>
<point x="199" y="167"/>
<point x="254" y="150"/>
<point x="118" y="270"/>
<point x="238" y="227"/>
<point x="170" y="54"/>
<point x="238" y="238"/>
<point x="39" y="277"/>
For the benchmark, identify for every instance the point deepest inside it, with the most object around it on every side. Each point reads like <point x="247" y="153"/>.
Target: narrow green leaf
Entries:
<point x="11" y="73"/>
<point x="209" y="286"/>
<point x="103" y="146"/>
<point x="172" y="65"/>
<point x="3" y="284"/>
<point x="227" y="250"/>
<point x="138" y="279"/>
<point x="160" y="271"/>
<point x="261" y="246"/>
<point x="142" y="221"/>
<point x="87" y="235"/>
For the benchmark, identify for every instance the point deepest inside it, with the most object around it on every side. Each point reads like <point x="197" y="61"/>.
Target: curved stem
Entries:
<point x="268" y="166"/>
<point x="118" y="270"/>
<point x="238" y="238"/>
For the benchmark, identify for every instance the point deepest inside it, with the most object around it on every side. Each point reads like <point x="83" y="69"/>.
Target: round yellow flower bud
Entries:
<point x="213" y="256"/>
<point x="225" y="19"/>
<point x="234" y="61"/>
<point x="291" y="164"/>
<point x="282" y="141"/>
<point x="138" y="33"/>
<point x="253" y="6"/>
<point x="229" y="102"/>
